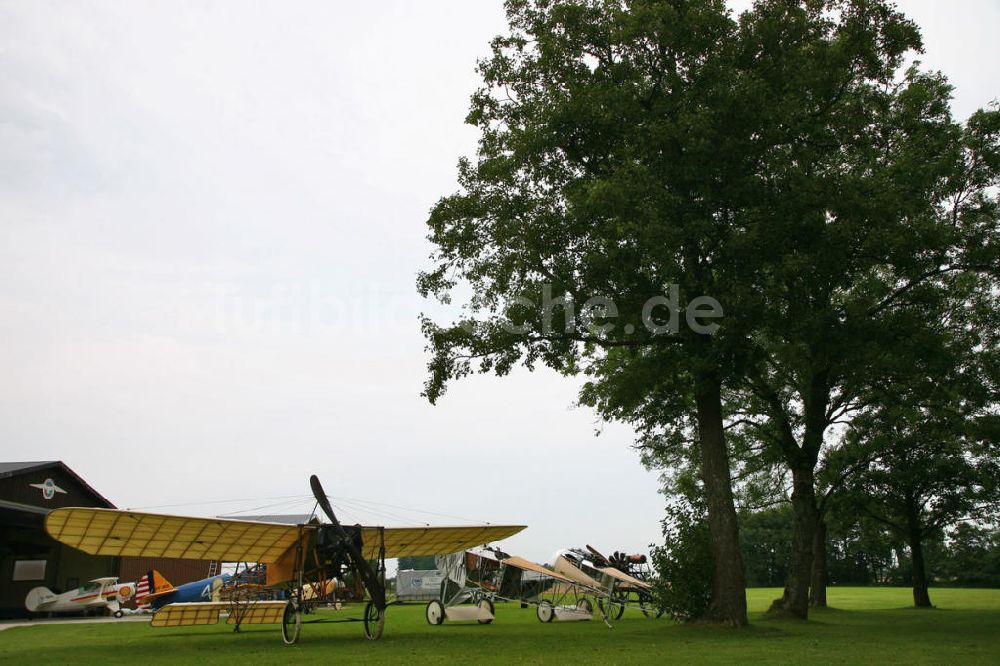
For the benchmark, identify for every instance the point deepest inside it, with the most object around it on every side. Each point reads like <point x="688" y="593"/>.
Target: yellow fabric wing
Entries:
<point x="187" y="614"/>
<point x="623" y="577"/>
<point x="527" y="565"/>
<point x="183" y="615"/>
<point x="129" y="533"/>
<point x="420" y="541"/>
<point x="565" y="568"/>
<point x="260" y="612"/>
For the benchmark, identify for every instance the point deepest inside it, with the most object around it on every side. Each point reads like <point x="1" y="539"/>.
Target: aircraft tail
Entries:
<point x="151" y="585"/>
<point x="38" y="598"/>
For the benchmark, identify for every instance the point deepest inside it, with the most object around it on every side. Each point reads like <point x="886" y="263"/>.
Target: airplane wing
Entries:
<point x="623" y="577"/>
<point x="186" y="614"/>
<point x="527" y="565"/>
<point x="118" y="533"/>
<point x="419" y="541"/>
<point x="121" y="533"/>
<point x="564" y="567"/>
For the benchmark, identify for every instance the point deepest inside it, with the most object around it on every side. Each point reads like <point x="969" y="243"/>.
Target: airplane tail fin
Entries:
<point x="152" y="584"/>
<point x="37" y="598"/>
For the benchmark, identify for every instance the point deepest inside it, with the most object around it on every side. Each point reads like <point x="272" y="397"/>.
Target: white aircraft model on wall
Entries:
<point x="97" y="594"/>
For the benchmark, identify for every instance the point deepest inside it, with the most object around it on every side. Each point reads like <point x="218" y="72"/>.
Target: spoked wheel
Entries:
<point x="612" y="608"/>
<point x="649" y="609"/>
<point x="546" y="613"/>
<point x="486" y="605"/>
<point x="434" y="612"/>
<point x="585" y="605"/>
<point x="374" y="621"/>
<point x="291" y="623"/>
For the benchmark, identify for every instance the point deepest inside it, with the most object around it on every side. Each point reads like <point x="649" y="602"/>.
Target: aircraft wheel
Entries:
<point x="487" y="605"/>
<point x="374" y="621"/>
<point x="119" y="613"/>
<point x="614" y="611"/>
<point x="434" y="612"/>
<point x="545" y="611"/>
<point x="291" y="623"/>
<point x="585" y="606"/>
<point x="649" y="609"/>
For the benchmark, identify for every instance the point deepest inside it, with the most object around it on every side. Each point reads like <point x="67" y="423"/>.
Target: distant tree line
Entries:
<point x="862" y="551"/>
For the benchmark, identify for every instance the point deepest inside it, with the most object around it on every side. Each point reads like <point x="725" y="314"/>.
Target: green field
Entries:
<point x="866" y="625"/>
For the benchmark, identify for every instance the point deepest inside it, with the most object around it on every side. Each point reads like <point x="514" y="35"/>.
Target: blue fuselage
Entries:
<point x="199" y="590"/>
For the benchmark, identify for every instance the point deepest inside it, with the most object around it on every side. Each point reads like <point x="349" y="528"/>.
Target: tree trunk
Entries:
<point x="805" y="514"/>
<point x="921" y="597"/>
<point x="795" y="600"/>
<point x="729" y="601"/>
<point x="817" y="585"/>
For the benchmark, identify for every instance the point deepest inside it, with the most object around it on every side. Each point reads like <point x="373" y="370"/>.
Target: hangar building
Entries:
<point x="28" y="556"/>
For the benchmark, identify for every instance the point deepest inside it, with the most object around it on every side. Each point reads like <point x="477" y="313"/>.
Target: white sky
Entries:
<point x="211" y="218"/>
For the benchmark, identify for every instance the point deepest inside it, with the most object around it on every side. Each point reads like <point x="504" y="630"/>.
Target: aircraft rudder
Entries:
<point x="151" y="583"/>
<point x="159" y="582"/>
<point x="36" y="597"/>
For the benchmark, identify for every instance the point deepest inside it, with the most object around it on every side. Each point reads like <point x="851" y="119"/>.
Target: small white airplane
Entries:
<point x="99" y="593"/>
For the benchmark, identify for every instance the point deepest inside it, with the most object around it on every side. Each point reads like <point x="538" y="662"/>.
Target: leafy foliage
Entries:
<point x="971" y="557"/>
<point x="861" y="552"/>
<point x="683" y="586"/>
<point x="766" y="537"/>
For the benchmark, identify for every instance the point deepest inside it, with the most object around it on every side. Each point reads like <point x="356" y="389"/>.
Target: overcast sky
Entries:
<point x="211" y="218"/>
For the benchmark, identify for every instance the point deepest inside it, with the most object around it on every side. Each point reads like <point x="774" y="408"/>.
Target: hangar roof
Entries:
<point x="12" y="469"/>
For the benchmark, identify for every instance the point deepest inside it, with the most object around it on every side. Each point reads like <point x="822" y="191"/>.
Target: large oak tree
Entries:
<point x="779" y="164"/>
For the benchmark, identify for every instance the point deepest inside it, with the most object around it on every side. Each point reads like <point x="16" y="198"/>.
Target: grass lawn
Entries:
<point x="864" y="625"/>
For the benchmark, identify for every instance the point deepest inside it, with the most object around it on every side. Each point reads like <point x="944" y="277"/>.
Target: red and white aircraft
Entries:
<point x="99" y="593"/>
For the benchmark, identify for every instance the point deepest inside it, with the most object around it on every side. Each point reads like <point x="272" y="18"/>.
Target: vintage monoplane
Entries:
<point x="300" y="559"/>
<point x="624" y="577"/>
<point x="474" y="581"/>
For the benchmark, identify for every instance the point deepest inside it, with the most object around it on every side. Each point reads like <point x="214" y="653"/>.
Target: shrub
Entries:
<point x="683" y="587"/>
